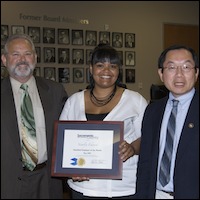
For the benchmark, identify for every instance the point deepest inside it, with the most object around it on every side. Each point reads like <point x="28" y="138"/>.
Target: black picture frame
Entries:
<point x="80" y="131"/>
<point x="129" y="40"/>
<point x="63" y="36"/>
<point x="64" y="74"/>
<point x="77" y="56"/>
<point x="49" y="55"/>
<point x="17" y="29"/>
<point x="34" y="33"/>
<point x="77" y="37"/>
<point x="121" y="75"/>
<point x="88" y="55"/>
<point x="38" y="52"/>
<point x="88" y="75"/>
<point x="121" y="56"/>
<point x="48" y="35"/>
<point x="78" y="75"/>
<point x="90" y="38"/>
<point x="4" y="33"/>
<point x="117" y="40"/>
<point x="50" y="73"/>
<point x="104" y="37"/>
<point x="63" y="55"/>
<point x="130" y="58"/>
<point x="130" y="75"/>
<point x="37" y="71"/>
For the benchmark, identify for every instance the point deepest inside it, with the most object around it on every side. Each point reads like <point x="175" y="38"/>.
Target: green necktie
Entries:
<point x="29" y="143"/>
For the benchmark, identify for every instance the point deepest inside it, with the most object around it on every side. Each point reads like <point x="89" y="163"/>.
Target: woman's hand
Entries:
<point x="79" y="179"/>
<point x="126" y="150"/>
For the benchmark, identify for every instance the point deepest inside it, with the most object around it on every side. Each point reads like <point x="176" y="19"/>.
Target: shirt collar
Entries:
<point x="16" y="84"/>
<point x="183" y="98"/>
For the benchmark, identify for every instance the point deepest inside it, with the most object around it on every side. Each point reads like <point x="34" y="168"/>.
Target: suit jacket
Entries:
<point x="52" y="59"/>
<point x="53" y="97"/>
<point x="81" y="61"/>
<point x="51" y="40"/>
<point x="186" y="172"/>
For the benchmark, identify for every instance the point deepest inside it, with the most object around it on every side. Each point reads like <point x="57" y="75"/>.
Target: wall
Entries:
<point x="143" y="18"/>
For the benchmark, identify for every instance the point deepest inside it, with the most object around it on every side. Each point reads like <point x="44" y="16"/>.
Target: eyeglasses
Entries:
<point x="172" y="68"/>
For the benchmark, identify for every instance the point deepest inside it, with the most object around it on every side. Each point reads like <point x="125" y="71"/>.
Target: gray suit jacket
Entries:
<point x="186" y="172"/>
<point x="53" y="97"/>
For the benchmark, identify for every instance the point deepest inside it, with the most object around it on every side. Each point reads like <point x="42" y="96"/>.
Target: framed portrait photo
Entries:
<point x="17" y="29"/>
<point x="38" y="52"/>
<point x="49" y="35"/>
<point x="130" y="75"/>
<point x="88" y="55"/>
<point x="37" y="71"/>
<point x="34" y="33"/>
<point x="63" y="55"/>
<point x="91" y="38"/>
<point x="129" y="40"/>
<point x="4" y="33"/>
<point x="121" y="75"/>
<point x="120" y="53"/>
<point x="104" y="37"/>
<point x="77" y="56"/>
<point x="64" y="74"/>
<point x="49" y="55"/>
<point x="50" y="73"/>
<point x="130" y="58"/>
<point x="63" y="36"/>
<point x="88" y="75"/>
<point x="117" y="40"/>
<point x="78" y="75"/>
<point x="87" y="149"/>
<point x="77" y="37"/>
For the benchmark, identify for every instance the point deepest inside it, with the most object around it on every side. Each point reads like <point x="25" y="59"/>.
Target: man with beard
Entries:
<point x="18" y="181"/>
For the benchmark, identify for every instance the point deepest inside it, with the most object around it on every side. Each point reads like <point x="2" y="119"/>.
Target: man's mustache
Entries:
<point x="22" y="63"/>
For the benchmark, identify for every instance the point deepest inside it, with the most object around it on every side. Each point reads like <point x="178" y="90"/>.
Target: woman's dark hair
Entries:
<point x="105" y="53"/>
<point x="162" y="57"/>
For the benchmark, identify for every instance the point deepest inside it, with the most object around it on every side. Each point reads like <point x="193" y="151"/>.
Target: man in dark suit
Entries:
<point x="64" y="56"/>
<point x="48" y="98"/>
<point x="179" y="70"/>
<point x="78" y="57"/>
<point x="50" y="55"/>
<point x="49" y="37"/>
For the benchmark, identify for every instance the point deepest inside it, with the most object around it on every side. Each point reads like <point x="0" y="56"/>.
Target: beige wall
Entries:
<point x="143" y="18"/>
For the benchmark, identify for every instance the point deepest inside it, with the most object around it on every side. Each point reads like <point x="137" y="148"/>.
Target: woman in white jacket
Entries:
<point x="107" y="100"/>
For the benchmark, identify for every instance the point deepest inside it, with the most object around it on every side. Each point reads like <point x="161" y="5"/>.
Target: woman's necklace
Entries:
<point x="102" y="101"/>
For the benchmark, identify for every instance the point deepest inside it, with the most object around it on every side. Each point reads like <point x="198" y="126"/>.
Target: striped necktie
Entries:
<point x="29" y="143"/>
<point x="165" y="165"/>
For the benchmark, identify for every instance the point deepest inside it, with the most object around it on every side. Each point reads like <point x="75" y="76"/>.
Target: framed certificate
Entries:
<point x="87" y="149"/>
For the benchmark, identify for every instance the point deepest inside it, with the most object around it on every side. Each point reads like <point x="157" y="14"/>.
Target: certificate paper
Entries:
<point x="87" y="149"/>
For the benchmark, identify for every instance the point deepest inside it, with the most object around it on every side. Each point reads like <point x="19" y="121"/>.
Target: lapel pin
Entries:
<point x="191" y="125"/>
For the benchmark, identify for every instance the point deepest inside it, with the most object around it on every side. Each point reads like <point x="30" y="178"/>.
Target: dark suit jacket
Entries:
<point x="81" y="61"/>
<point x="52" y="59"/>
<point x="51" y="40"/>
<point x="186" y="172"/>
<point x="53" y="97"/>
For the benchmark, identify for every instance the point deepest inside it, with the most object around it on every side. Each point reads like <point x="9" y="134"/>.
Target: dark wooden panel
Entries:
<point x="181" y="34"/>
